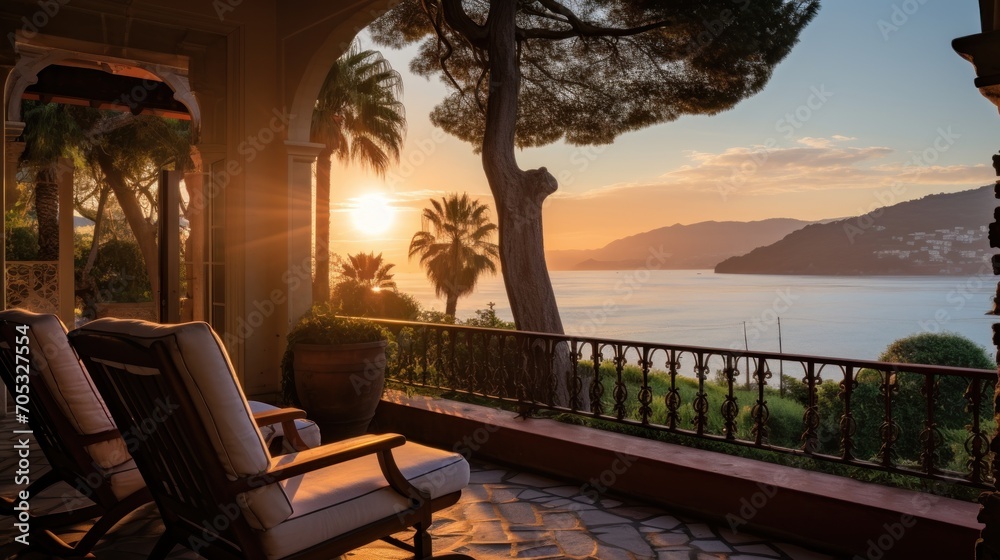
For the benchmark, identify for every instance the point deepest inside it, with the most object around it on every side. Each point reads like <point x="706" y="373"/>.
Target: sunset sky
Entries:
<point x="872" y="107"/>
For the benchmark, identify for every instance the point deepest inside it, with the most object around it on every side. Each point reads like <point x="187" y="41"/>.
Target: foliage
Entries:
<point x="358" y="114"/>
<point x="321" y="325"/>
<point x="455" y="246"/>
<point x="368" y="270"/>
<point x="111" y="152"/>
<point x="20" y="237"/>
<point x="355" y="299"/>
<point x="909" y="403"/>
<point x="784" y="423"/>
<point x="117" y="275"/>
<point x="593" y="70"/>
<point x="796" y="390"/>
<point x="434" y="316"/>
<point x="358" y="117"/>
<point x="487" y="318"/>
<point x="942" y="349"/>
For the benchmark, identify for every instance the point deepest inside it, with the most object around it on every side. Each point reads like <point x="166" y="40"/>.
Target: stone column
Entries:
<point x="12" y="151"/>
<point x="983" y="51"/>
<point x="988" y="547"/>
<point x="194" y="182"/>
<point x="301" y="163"/>
<point x="67" y="295"/>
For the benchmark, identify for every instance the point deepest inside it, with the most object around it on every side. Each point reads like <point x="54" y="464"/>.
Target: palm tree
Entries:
<point x="457" y="247"/>
<point x="369" y="270"/>
<point x="358" y="117"/>
<point x="51" y="132"/>
<point x="124" y="154"/>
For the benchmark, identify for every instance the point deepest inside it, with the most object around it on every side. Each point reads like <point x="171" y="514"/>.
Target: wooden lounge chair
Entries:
<point x="219" y="491"/>
<point x="80" y="441"/>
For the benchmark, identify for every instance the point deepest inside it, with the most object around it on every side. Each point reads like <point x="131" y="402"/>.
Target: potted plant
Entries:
<point x="334" y="368"/>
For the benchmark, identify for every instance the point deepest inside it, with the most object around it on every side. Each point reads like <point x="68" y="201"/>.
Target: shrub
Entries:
<point x="909" y="403"/>
<point x="488" y="318"/>
<point x="354" y="299"/>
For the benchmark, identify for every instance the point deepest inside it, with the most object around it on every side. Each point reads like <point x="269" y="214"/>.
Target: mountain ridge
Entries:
<point x="694" y="246"/>
<point x="937" y="234"/>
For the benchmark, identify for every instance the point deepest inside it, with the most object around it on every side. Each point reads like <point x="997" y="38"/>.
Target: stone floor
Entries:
<point x="503" y="514"/>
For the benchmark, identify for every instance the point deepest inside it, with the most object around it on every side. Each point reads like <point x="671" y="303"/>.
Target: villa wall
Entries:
<point x="254" y="69"/>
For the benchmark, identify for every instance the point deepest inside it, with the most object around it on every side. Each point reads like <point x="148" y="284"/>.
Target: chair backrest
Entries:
<point x="174" y="387"/>
<point x="66" y="413"/>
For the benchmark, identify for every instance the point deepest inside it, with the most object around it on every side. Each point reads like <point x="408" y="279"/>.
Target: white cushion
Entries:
<point x="69" y="383"/>
<point x="222" y="407"/>
<point x="336" y="499"/>
<point x="308" y="430"/>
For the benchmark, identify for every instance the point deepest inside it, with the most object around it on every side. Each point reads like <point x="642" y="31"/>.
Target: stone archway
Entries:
<point x="144" y="77"/>
<point x="303" y="91"/>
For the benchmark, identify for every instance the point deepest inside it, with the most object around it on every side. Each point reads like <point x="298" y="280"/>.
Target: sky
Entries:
<point x="871" y="108"/>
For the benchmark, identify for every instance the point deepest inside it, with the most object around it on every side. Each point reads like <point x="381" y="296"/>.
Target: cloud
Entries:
<point x="814" y="164"/>
<point x="816" y="142"/>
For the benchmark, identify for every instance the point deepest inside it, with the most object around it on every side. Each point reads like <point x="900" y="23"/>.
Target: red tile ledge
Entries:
<point x="856" y="519"/>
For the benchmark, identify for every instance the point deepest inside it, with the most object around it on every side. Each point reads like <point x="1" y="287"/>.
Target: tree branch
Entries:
<point x="460" y="21"/>
<point x="588" y="31"/>
<point x="580" y="28"/>
<point x="545" y="15"/>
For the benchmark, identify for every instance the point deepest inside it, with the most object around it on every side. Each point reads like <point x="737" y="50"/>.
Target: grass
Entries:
<point x="785" y="415"/>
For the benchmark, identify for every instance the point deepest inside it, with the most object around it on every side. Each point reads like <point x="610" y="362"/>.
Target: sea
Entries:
<point x="834" y="316"/>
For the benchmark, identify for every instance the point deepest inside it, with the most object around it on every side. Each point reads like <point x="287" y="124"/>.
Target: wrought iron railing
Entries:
<point x="927" y="421"/>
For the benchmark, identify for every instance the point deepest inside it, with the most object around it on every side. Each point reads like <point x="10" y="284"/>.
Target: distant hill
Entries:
<point x="701" y="245"/>
<point x="937" y="234"/>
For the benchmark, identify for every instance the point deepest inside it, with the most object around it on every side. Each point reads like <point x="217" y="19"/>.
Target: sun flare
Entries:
<point x="372" y="214"/>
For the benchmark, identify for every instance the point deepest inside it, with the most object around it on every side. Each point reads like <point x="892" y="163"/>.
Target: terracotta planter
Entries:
<point x="340" y="385"/>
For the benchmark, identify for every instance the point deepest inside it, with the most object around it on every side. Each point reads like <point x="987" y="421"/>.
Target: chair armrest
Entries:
<point x="286" y="417"/>
<point x="295" y="464"/>
<point x="278" y="416"/>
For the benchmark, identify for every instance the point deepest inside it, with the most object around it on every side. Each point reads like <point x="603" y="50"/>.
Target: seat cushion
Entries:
<point x="69" y="384"/>
<point x="126" y="479"/>
<point x="208" y="376"/>
<point x="308" y="430"/>
<point x="336" y="499"/>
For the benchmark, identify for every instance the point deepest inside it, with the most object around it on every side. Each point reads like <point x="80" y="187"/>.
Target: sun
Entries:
<point x="372" y="214"/>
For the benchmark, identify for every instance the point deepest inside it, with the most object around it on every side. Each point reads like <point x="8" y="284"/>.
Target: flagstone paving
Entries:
<point x="503" y="513"/>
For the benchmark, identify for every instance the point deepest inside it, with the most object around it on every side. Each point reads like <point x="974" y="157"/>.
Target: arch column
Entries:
<point x="301" y="164"/>
<point x="983" y="51"/>
<point x="9" y="171"/>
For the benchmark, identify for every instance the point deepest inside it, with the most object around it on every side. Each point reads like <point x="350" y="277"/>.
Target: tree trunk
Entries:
<point x="451" y="304"/>
<point x="519" y="195"/>
<point x="321" y="284"/>
<point x="47" y="213"/>
<point x="87" y="289"/>
<point x="144" y="232"/>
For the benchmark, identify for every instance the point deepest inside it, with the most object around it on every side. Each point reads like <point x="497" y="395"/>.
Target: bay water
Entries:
<point x="836" y="316"/>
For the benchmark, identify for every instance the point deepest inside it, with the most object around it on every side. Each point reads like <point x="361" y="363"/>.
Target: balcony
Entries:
<point x="504" y="513"/>
<point x="546" y="485"/>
